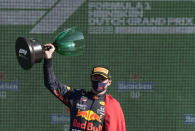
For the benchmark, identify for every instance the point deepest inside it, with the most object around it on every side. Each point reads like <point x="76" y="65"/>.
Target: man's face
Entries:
<point x="99" y="78"/>
<point x="100" y="84"/>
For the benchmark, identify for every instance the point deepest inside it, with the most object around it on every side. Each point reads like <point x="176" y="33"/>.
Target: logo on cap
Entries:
<point x="101" y="71"/>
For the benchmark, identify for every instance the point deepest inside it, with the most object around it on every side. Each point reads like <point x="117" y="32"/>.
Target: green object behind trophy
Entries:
<point x="70" y="42"/>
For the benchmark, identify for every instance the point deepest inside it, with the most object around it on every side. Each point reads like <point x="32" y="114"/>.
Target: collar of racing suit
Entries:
<point x="95" y="96"/>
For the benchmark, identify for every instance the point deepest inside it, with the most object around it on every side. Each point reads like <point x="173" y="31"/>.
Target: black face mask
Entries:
<point x="98" y="86"/>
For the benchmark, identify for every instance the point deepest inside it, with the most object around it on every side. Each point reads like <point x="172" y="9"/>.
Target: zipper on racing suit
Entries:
<point x="90" y="109"/>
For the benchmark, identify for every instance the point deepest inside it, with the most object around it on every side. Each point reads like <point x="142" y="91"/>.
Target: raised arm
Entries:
<point x="58" y="89"/>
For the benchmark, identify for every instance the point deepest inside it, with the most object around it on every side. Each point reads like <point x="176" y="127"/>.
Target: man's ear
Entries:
<point x="109" y="82"/>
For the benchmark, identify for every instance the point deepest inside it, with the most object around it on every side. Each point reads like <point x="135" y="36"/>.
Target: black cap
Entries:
<point x="101" y="70"/>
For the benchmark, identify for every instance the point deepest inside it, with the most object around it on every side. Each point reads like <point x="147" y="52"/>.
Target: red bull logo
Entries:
<point x="89" y="115"/>
<point x="88" y="126"/>
<point x="100" y="88"/>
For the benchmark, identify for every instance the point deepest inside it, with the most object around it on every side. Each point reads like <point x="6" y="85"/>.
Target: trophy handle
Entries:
<point x="48" y="47"/>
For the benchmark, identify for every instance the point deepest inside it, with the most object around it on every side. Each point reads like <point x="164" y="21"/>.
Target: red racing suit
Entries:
<point x="88" y="112"/>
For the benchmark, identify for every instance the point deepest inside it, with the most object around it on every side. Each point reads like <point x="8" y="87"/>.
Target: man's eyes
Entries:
<point x="99" y="79"/>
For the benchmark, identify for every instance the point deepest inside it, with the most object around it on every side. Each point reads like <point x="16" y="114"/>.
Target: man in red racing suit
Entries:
<point x="93" y="110"/>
